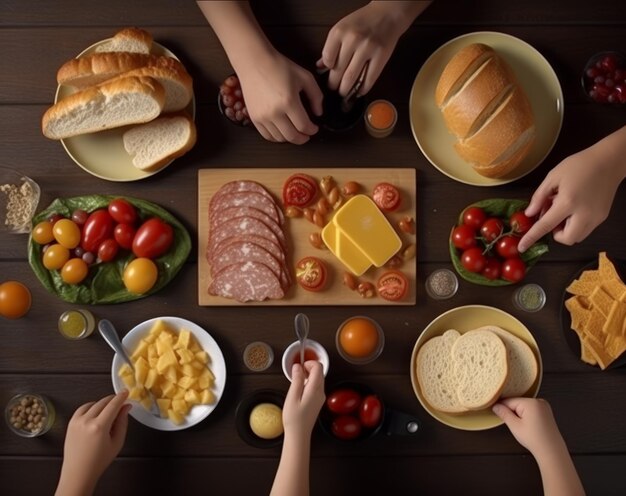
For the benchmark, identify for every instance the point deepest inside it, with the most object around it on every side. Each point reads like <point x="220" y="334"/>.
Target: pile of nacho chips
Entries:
<point x="598" y="312"/>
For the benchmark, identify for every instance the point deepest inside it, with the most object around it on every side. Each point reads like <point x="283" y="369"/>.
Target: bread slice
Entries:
<point x="156" y="143"/>
<point x="481" y="368"/>
<point x="129" y="100"/>
<point x="133" y="40"/>
<point x="523" y="367"/>
<point x="435" y="373"/>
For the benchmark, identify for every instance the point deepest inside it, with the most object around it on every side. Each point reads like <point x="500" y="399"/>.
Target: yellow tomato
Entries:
<point x="42" y="233"/>
<point x="67" y="233"/>
<point x="140" y="275"/>
<point x="358" y="337"/>
<point x="74" y="271"/>
<point x="55" y="257"/>
<point x="15" y="300"/>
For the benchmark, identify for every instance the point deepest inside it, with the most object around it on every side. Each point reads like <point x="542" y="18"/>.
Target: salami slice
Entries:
<point x="240" y="186"/>
<point x="237" y="227"/>
<point x="270" y="246"/>
<point x="246" y="199"/>
<point x="248" y="281"/>
<point x="234" y="212"/>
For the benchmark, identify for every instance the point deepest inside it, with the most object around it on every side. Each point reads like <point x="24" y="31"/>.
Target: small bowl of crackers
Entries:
<point x="19" y="197"/>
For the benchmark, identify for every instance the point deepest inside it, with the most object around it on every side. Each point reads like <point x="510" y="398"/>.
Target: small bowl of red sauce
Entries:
<point x="604" y="78"/>
<point x="312" y="351"/>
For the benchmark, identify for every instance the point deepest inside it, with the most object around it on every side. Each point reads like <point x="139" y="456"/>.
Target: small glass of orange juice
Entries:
<point x="380" y="118"/>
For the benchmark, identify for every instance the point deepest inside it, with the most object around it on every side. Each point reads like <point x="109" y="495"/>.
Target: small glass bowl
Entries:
<point x="19" y="197"/>
<point x="292" y="355"/>
<point x="441" y="284"/>
<point x="258" y="356"/>
<point x="529" y="297"/>
<point x="360" y="360"/>
<point x="604" y="78"/>
<point x="18" y="415"/>
<point x="378" y="106"/>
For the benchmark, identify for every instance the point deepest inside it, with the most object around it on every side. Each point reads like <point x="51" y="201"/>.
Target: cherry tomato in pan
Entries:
<point x="124" y="235"/>
<point x="491" y="229"/>
<point x="300" y="190"/>
<point x="386" y="196"/>
<point x="153" y="239"/>
<point x="474" y="217"/>
<point x="343" y="401"/>
<point x="393" y="285"/>
<point x="520" y="223"/>
<point x="108" y="250"/>
<point x="474" y="260"/>
<point x="513" y="269"/>
<point x="346" y="427"/>
<point x="464" y="237"/>
<point x="507" y="246"/>
<point x="122" y="211"/>
<point x="311" y="273"/>
<point x="98" y="227"/>
<point x="493" y="269"/>
<point x="371" y="411"/>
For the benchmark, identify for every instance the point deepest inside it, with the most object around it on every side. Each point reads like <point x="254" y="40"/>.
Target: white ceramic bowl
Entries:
<point x="293" y="351"/>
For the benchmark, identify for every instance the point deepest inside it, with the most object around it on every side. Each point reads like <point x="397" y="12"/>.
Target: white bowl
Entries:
<point x="293" y="351"/>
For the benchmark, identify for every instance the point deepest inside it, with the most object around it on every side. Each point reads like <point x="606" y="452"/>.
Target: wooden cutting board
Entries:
<point x="298" y="230"/>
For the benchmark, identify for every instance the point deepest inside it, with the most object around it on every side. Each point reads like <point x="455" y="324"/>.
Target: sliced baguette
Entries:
<point x="156" y="143"/>
<point x="133" y="40"/>
<point x="129" y="100"/>
<point x="481" y="368"/>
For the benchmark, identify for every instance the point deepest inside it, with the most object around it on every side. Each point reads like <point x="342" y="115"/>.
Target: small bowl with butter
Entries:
<point x="19" y="197"/>
<point x="258" y="418"/>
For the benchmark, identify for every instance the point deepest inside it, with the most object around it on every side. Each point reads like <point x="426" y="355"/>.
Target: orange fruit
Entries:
<point x="358" y="337"/>
<point x="15" y="300"/>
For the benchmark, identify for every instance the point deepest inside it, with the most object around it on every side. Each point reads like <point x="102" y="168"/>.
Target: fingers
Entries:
<point x="552" y="218"/>
<point x="576" y="228"/>
<point x="316" y="374"/>
<point x="505" y="413"/>
<point x="515" y="404"/>
<point x="98" y="406"/>
<point x="375" y="68"/>
<point x="315" y="96"/>
<point x="330" y="51"/>
<point x="120" y="425"/>
<point x="339" y="68"/>
<point x="263" y="131"/>
<point x="541" y="196"/>
<point x="297" y="384"/>
<point x="112" y="409"/>
<point x="353" y="72"/>
<point x="81" y="410"/>
<point x="289" y="131"/>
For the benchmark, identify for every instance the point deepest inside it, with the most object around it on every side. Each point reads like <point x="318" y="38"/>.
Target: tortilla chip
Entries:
<point x="586" y="355"/>
<point x="593" y="327"/>
<point x="616" y="320"/>
<point x="579" y="311"/>
<point x="601" y="300"/>
<point x="597" y="350"/>
<point x="614" y="288"/>
<point x="615" y="346"/>
<point x="606" y="268"/>
<point x="583" y="288"/>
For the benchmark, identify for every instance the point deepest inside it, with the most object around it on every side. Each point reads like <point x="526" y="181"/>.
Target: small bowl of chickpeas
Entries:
<point x="29" y="415"/>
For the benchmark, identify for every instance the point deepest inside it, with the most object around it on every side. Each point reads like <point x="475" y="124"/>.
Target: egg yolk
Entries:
<point x="358" y="337"/>
<point x="380" y="115"/>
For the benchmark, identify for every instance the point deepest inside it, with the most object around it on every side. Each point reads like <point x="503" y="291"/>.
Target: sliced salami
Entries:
<point x="248" y="281"/>
<point x="270" y="246"/>
<point x="234" y="212"/>
<point x="246" y="199"/>
<point x="237" y="227"/>
<point x="241" y="186"/>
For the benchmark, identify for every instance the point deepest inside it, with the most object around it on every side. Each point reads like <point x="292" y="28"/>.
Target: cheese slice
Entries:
<point x="362" y="222"/>
<point x="345" y="250"/>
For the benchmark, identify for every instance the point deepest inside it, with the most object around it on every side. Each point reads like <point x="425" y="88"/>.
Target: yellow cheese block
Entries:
<point x="345" y="250"/>
<point x="362" y="222"/>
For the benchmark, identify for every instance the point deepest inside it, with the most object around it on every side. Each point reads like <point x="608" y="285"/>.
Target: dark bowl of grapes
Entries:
<point x="604" y="78"/>
<point x="231" y="103"/>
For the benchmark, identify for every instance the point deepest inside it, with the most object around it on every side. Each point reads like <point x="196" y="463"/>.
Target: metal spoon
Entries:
<point x="301" y="323"/>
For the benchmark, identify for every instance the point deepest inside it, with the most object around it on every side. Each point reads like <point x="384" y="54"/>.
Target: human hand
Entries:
<point x="304" y="399"/>
<point x="95" y="435"/>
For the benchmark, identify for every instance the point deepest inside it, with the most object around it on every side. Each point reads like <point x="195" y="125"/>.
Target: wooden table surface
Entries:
<point x="37" y="37"/>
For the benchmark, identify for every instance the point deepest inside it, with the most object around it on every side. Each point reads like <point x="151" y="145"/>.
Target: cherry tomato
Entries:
<point x="300" y="190"/>
<point x="15" y="300"/>
<point x="513" y="269"/>
<point x="74" y="271"/>
<point x="153" y="239"/>
<point x="393" y="285"/>
<point x="520" y="223"/>
<point x="474" y="217"/>
<point x="359" y="337"/>
<point x="140" y="275"/>
<point x="474" y="260"/>
<point x="97" y="228"/>
<point x="42" y="233"/>
<point x="386" y="196"/>
<point x="55" y="257"/>
<point x="346" y="427"/>
<point x="371" y="411"/>
<point x="311" y="273"/>
<point x="343" y="401"/>
<point x="124" y="235"/>
<point x="54" y="218"/>
<point x="507" y="246"/>
<point x="122" y="211"/>
<point x="108" y="250"/>
<point x="463" y="237"/>
<point x="493" y="269"/>
<point x="67" y="233"/>
<point x="491" y="229"/>
<point x="79" y="216"/>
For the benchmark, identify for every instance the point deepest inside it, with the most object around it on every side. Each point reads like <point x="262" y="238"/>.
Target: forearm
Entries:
<point x="72" y="485"/>
<point x="402" y="13"/>
<point x="611" y="152"/>
<point x="558" y="474"/>
<point x="292" y="476"/>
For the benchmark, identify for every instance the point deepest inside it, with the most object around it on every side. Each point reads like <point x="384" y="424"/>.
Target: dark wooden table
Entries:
<point x="590" y="405"/>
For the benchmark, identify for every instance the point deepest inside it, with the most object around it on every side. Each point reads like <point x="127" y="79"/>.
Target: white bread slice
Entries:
<point x="435" y="373"/>
<point x="481" y="368"/>
<point x="117" y="103"/>
<point x="134" y="40"/>
<point x="523" y="368"/>
<point x="156" y="143"/>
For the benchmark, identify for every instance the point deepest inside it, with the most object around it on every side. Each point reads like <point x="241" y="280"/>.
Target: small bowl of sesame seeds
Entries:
<point x="19" y="197"/>
<point x="29" y="415"/>
<point x="442" y="284"/>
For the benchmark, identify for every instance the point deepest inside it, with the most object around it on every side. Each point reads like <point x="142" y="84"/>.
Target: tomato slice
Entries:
<point x="386" y="196"/>
<point x="393" y="285"/>
<point x="311" y="273"/>
<point x="299" y="190"/>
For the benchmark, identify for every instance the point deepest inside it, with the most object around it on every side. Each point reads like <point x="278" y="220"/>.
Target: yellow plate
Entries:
<point x="534" y="74"/>
<point x="102" y="154"/>
<point x="465" y="319"/>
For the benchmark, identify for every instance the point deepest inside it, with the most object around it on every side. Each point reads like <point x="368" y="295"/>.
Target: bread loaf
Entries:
<point x="128" y="100"/>
<point x="133" y="40"/>
<point x="486" y="109"/>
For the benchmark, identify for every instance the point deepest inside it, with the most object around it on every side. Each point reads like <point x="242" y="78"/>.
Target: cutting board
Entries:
<point x="298" y="230"/>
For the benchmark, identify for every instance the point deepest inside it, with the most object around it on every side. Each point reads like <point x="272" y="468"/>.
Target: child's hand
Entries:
<point x="304" y="401"/>
<point x="95" y="435"/>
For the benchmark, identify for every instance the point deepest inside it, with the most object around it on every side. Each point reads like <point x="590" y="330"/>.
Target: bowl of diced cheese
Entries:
<point x="179" y="363"/>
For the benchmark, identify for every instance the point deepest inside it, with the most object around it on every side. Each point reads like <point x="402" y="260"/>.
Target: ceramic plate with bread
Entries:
<point x="124" y="107"/>
<point x="468" y="358"/>
<point x="486" y="108"/>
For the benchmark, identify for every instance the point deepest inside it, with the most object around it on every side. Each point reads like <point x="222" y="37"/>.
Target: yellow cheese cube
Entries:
<point x="185" y="355"/>
<point x="141" y="349"/>
<point x="207" y="397"/>
<point x="197" y="365"/>
<point x="175" y="417"/>
<point x="169" y="389"/>
<point x="166" y="337"/>
<point x="189" y="370"/>
<point x="164" y="405"/>
<point x="151" y="379"/>
<point x="166" y="360"/>
<point x="192" y="397"/>
<point x="152" y="361"/>
<point x="141" y="370"/>
<point x="205" y="382"/>
<point x="207" y="373"/>
<point x="160" y="327"/>
<point x="180" y="406"/>
<point x="171" y="374"/>
<point x="203" y="357"/>
<point x="184" y="339"/>
<point x="179" y="394"/>
<point x="187" y="382"/>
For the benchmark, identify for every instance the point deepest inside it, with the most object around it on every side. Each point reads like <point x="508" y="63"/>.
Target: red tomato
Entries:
<point x="124" y="235"/>
<point x="153" y="238"/>
<point x="343" y="401"/>
<point x="393" y="285"/>
<point x="97" y="228"/>
<point x="386" y="196"/>
<point x="507" y="246"/>
<point x="122" y="211"/>
<point x="108" y="250"/>
<point x="513" y="269"/>
<point x="463" y="237"/>
<point x="346" y="427"/>
<point x="299" y="190"/>
<point x="520" y="223"/>
<point x="474" y="260"/>
<point x="493" y="269"/>
<point x="371" y="411"/>
<point x="311" y="274"/>
<point x="474" y="217"/>
<point x="491" y="229"/>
